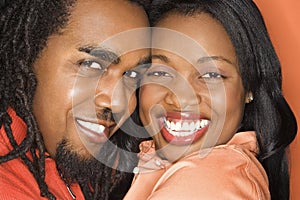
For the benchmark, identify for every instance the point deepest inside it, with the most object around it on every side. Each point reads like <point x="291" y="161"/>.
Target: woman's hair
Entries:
<point x="268" y="114"/>
<point x="25" y="27"/>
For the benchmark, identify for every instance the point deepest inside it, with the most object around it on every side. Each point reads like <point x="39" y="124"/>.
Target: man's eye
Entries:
<point x="91" y="68"/>
<point x="131" y="78"/>
<point x="92" y="65"/>
<point x="212" y="75"/>
<point x="131" y="74"/>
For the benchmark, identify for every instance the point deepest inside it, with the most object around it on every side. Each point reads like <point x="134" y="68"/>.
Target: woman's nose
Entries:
<point x="182" y="94"/>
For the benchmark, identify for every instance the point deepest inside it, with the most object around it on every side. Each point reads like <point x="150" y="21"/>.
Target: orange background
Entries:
<point x="282" y="18"/>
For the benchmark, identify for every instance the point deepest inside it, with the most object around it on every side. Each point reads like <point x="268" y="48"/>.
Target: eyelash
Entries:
<point x="90" y="63"/>
<point x="212" y="75"/>
<point x="159" y="74"/>
<point x="137" y="74"/>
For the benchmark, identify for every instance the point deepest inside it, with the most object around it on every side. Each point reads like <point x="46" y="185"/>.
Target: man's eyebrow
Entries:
<point x="101" y="53"/>
<point x="144" y="62"/>
<point x="212" y="58"/>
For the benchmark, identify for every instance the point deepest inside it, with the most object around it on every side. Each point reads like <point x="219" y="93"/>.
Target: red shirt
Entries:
<point x="17" y="182"/>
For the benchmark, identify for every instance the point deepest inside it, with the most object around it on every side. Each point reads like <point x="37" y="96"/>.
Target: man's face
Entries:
<point x="86" y="80"/>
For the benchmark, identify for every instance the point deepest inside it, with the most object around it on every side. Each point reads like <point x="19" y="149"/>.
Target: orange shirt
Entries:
<point x="228" y="171"/>
<point x="17" y="182"/>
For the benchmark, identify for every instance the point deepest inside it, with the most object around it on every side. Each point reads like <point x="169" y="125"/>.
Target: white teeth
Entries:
<point x="178" y="126"/>
<point x="192" y="125"/>
<point x="184" y="128"/>
<point x="168" y="123"/>
<point x="197" y="124"/>
<point x="92" y="126"/>
<point x="173" y="126"/>
<point x="202" y="123"/>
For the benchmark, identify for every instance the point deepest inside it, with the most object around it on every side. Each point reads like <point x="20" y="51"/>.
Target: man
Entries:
<point x="69" y="70"/>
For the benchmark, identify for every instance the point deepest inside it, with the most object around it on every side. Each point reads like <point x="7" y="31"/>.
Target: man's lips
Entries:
<point x="183" y="128"/>
<point x="93" y="132"/>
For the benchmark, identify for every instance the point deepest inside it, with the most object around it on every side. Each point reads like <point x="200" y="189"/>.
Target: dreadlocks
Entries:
<point x="25" y="27"/>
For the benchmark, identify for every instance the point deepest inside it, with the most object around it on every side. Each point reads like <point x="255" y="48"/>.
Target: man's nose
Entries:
<point x="110" y="93"/>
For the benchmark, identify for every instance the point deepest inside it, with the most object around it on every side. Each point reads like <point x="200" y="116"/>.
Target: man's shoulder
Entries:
<point x="17" y="182"/>
<point x="17" y="129"/>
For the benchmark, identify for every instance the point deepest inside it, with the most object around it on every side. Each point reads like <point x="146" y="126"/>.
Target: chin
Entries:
<point x="76" y="163"/>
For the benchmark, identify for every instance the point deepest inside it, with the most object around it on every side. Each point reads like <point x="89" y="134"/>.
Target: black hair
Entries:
<point x="268" y="114"/>
<point x="25" y="27"/>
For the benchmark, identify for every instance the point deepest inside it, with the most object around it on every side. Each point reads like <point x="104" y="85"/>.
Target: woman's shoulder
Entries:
<point x="231" y="171"/>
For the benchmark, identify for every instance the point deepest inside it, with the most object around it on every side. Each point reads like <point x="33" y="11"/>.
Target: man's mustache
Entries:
<point x="105" y="114"/>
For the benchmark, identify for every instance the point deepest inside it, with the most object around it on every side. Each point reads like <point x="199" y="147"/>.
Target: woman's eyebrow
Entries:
<point x="200" y="60"/>
<point x="160" y="57"/>
<point x="213" y="58"/>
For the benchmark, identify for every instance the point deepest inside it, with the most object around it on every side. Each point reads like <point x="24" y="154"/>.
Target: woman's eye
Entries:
<point x="158" y="77"/>
<point x="212" y="75"/>
<point x="158" y="74"/>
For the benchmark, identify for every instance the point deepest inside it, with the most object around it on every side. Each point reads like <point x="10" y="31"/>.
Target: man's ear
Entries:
<point x="249" y="97"/>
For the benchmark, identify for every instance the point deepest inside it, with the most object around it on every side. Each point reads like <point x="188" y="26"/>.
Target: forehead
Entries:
<point x="94" y="21"/>
<point x="193" y="37"/>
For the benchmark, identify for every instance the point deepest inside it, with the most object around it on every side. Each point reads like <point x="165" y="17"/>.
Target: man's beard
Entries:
<point x="75" y="168"/>
<point x="93" y="175"/>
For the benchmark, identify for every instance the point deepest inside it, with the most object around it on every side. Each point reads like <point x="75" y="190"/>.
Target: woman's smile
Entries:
<point x="182" y="128"/>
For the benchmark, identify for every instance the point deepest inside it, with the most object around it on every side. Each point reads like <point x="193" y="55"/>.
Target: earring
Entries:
<point x="250" y="98"/>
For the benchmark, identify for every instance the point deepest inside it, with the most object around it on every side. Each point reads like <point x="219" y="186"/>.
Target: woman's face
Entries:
<point x="192" y="96"/>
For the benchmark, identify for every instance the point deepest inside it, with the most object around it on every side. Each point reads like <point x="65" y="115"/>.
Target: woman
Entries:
<point x="214" y="73"/>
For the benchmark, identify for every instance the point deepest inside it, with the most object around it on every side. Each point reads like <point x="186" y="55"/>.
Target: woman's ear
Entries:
<point x="249" y="97"/>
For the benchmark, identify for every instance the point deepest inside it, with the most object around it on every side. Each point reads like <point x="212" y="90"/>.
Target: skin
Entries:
<point x="72" y="84"/>
<point x="209" y="89"/>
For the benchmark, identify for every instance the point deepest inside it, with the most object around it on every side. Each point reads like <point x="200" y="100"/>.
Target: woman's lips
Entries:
<point x="183" y="128"/>
<point x="93" y="132"/>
